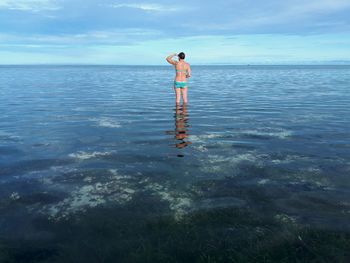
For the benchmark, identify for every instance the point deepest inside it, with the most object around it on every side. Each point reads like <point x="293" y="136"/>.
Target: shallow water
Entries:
<point x="91" y="150"/>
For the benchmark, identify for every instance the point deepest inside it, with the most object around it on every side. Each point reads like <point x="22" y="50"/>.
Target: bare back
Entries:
<point x="183" y="70"/>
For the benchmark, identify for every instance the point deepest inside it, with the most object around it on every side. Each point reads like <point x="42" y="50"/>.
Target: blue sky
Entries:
<point x="144" y="32"/>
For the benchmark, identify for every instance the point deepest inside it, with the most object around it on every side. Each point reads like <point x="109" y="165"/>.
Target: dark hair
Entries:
<point x="181" y="55"/>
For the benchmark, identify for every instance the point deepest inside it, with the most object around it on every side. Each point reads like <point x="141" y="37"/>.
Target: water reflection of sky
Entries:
<point x="78" y="138"/>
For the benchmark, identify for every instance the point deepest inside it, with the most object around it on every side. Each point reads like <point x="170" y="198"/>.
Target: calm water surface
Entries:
<point x="98" y="165"/>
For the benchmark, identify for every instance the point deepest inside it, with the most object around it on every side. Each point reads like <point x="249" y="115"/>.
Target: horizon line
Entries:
<point x="157" y="65"/>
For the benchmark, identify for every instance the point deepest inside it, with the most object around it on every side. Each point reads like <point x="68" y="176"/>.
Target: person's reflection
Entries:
<point x="181" y="126"/>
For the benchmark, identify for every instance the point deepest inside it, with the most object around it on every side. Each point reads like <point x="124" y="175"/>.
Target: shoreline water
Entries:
<point x="90" y="168"/>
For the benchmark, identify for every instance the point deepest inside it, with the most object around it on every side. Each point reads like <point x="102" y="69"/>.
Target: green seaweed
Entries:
<point x="138" y="232"/>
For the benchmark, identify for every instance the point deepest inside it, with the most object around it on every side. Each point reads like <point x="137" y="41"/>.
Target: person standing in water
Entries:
<point x="183" y="71"/>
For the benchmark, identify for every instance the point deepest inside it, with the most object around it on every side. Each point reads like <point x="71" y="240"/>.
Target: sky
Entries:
<point x="145" y="32"/>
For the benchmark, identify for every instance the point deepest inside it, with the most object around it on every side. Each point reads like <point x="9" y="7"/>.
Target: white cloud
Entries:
<point x="146" y="7"/>
<point x="107" y="37"/>
<point x="29" y="5"/>
<point x="210" y="49"/>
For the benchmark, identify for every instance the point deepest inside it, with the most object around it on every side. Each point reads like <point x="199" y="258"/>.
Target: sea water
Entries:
<point x="98" y="164"/>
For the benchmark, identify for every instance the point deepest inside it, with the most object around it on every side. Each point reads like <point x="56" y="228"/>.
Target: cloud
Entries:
<point x="147" y="7"/>
<point x="116" y="37"/>
<point x="290" y="17"/>
<point x="197" y="18"/>
<point x="243" y="49"/>
<point x="111" y="25"/>
<point x="29" y="5"/>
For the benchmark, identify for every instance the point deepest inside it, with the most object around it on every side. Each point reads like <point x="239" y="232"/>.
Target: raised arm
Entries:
<point x="170" y="60"/>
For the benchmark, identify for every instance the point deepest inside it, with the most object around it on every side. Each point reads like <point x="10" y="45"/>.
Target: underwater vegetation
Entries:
<point x="97" y="165"/>
<point x="145" y="230"/>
